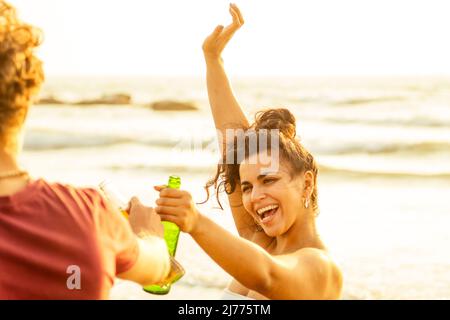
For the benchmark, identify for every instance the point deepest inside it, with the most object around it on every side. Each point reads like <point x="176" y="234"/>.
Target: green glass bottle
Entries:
<point x="176" y="269"/>
<point x="171" y="235"/>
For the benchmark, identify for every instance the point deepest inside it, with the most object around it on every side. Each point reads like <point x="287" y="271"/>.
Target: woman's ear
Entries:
<point x="309" y="184"/>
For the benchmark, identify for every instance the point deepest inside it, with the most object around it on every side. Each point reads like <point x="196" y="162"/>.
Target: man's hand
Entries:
<point x="143" y="220"/>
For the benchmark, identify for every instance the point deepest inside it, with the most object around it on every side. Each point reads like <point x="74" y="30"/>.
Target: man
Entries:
<point x="58" y="241"/>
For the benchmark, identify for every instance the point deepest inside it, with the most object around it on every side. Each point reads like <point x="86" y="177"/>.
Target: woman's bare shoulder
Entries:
<point x="323" y="260"/>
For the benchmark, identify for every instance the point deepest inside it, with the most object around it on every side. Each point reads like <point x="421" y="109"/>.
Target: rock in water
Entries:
<point x="109" y="99"/>
<point x="49" y="100"/>
<point x="169" y="105"/>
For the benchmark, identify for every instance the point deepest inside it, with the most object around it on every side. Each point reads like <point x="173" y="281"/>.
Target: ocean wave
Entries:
<point x="209" y="170"/>
<point x="367" y="100"/>
<point x="57" y="140"/>
<point x="329" y="170"/>
<point x="419" y="148"/>
<point x="412" y="122"/>
<point x="179" y="168"/>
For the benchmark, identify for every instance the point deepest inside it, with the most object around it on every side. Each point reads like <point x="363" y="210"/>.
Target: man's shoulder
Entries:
<point x="69" y="191"/>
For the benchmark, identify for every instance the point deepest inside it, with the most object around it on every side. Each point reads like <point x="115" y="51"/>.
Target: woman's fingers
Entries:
<point x="238" y="12"/>
<point x="165" y="192"/>
<point x="167" y="210"/>
<point x="229" y="31"/>
<point x="235" y="16"/>
<point x="170" y="218"/>
<point x="212" y="38"/>
<point x="216" y="31"/>
<point x="218" y="39"/>
<point x="170" y="202"/>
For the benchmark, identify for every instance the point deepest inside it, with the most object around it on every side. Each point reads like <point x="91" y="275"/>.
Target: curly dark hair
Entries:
<point x="21" y="73"/>
<point x="299" y="159"/>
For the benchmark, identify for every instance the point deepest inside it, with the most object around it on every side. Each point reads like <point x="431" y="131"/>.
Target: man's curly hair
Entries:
<point x="21" y="73"/>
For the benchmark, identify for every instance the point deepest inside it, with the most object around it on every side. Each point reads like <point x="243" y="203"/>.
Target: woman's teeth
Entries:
<point x="267" y="208"/>
<point x="267" y="211"/>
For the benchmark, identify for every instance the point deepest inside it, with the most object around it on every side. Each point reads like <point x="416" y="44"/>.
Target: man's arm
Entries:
<point x="152" y="265"/>
<point x="153" y="262"/>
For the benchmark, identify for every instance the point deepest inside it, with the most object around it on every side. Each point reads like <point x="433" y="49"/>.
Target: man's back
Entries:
<point x="60" y="242"/>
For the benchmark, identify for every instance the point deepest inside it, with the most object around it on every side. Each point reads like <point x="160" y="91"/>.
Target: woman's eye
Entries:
<point x="266" y="181"/>
<point x="245" y="189"/>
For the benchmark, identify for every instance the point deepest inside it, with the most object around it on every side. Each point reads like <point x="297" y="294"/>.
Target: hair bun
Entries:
<point x="281" y="119"/>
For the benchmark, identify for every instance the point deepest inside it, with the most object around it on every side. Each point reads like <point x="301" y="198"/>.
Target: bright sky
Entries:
<point x="282" y="37"/>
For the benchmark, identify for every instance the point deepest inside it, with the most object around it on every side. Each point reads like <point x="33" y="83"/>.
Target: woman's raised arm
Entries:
<point x="226" y="111"/>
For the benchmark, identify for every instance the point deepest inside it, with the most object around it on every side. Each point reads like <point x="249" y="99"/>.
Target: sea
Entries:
<point x="382" y="145"/>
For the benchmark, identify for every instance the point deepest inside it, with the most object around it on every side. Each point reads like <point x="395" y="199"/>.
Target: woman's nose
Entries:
<point x="257" y="194"/>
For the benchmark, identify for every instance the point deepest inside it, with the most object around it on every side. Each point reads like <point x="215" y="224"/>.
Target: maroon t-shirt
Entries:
<point x="61" y="242"/>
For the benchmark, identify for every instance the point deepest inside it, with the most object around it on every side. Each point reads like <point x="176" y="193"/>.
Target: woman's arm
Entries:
<point x="304" y="274"/>
<point x="226" y="111"/>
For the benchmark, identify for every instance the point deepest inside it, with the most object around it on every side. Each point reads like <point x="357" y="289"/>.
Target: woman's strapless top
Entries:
<point x="230" y="295"/>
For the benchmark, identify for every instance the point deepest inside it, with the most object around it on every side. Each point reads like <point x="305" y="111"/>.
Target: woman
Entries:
<point x="57" y="241"/>
<point x="279" y="254"/>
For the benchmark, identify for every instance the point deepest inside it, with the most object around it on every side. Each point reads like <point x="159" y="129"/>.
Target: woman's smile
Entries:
<point x="267" y="214"/>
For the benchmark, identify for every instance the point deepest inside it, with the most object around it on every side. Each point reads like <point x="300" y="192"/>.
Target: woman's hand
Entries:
<point x="177" y="206"/>
<point x="143" y="220"/>
<point x="216" y="41"/>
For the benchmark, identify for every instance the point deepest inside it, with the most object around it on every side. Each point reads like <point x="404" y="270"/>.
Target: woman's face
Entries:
<point x="272" y="197"/>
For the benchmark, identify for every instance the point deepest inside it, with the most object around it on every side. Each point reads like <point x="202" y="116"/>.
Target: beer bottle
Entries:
<point x="171" y="235"/>
<point x="114" y="197"/>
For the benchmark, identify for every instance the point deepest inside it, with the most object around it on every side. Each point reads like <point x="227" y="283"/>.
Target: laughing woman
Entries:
<point x="279" y="254"/>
